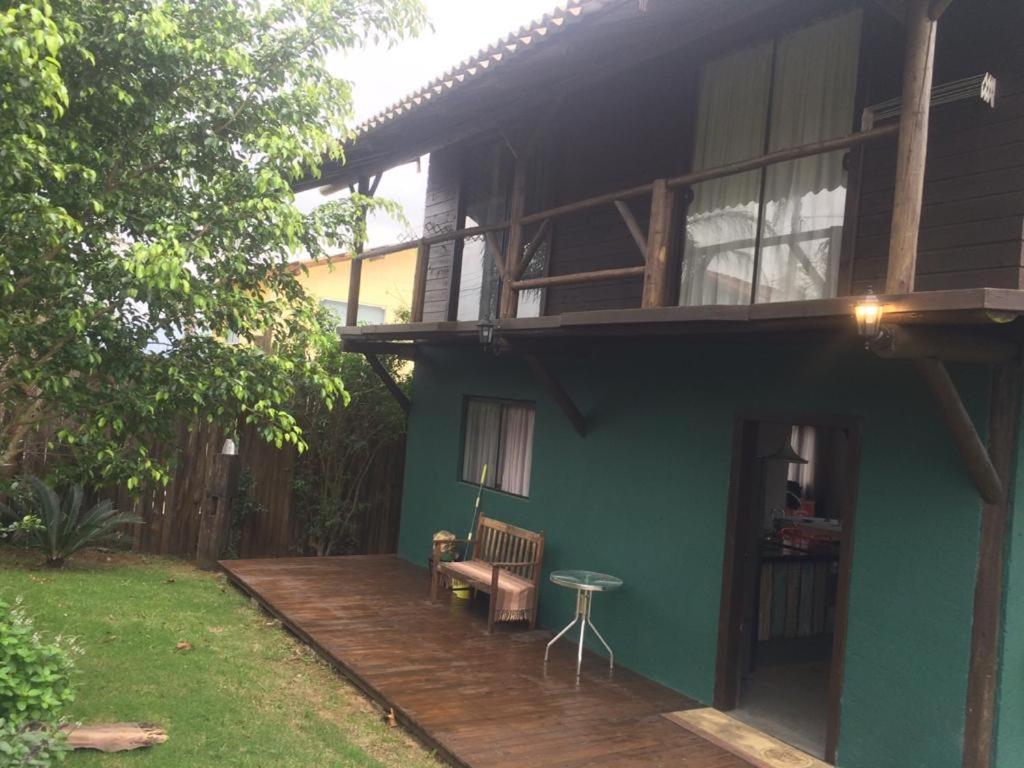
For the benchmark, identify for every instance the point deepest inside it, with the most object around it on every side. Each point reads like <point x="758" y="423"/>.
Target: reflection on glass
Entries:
<point x="721" y="228"/>
<point x="486" y="202"/>
<point x="801" y="93"/>
<point x="812" y="100"/>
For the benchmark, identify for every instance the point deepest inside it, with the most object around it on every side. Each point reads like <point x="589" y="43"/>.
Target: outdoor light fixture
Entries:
<point x="229" y="448"/>
<point x="486" y="329"/>
<point x="868" y="313"/>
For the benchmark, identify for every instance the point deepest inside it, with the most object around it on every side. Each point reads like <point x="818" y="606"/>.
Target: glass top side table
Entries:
<point x="586" y="583"/>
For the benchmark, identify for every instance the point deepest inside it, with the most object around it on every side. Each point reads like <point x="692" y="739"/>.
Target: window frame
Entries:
<point x="501" y="401"/>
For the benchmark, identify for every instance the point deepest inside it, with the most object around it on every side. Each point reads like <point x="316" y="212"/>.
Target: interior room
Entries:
<point x="802" y="473"/>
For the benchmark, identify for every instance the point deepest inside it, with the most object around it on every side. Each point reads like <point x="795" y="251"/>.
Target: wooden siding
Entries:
<point x="441" y="214"/>
<point x="623" y="132"/>
<point x="636" y="125"/>
<point x="972" y="226"/>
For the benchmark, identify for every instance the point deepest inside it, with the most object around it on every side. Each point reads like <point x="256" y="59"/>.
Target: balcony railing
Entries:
<point x="655" y="245"/>
<point x="526" y="233"/>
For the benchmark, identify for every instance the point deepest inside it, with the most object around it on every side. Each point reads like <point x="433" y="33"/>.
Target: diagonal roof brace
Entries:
<point x="557" y="391"/>
<point x="389" y="382"/>
<point x="972" y="450"/>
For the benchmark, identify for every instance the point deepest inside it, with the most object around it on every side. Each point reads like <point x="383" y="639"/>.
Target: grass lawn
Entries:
<point x="247" y="694"/>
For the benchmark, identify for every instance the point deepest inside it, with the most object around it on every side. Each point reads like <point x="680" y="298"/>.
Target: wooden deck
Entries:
<point x="485" y="701"/>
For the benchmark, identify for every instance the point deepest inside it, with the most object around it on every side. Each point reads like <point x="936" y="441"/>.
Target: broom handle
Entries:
<point x="476" y="512"/>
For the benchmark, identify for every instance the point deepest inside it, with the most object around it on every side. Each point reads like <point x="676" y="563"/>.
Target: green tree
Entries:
<point x="330" y="478"/>
<point x="147" y="149"/>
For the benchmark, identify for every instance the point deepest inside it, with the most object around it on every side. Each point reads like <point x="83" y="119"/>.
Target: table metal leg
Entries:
<point x="583" y="628"/>
<point x="584" y="603"/>
<point x="559" y="636"/>
<point x="611" y="653"/>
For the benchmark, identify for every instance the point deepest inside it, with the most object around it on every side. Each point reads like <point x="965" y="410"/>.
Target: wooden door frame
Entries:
<point x="727" y="665"/>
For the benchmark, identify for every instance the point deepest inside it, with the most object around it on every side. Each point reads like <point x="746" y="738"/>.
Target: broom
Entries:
<point x="476" y="512"/>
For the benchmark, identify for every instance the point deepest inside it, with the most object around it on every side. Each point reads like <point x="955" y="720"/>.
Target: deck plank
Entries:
<point x="483" y="701"/>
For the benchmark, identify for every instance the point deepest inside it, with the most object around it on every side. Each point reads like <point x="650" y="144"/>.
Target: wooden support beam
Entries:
<point x="633" y="226"/>
<point x="972" y="450"/>
<point x="535" y="243"/>
<point x="555" y="389"/>
<point x="403" y="350"/>
<point x="983" y="668"/>
<point x="659" y="246"/>
<point x="499" y="259"/>
<point x="912" y="150"/>
<point x="355" y="275"/>
<point x="419" y="283"/>
<point x="215" y="522"/>
<point x="597" y="276"/>
<point x="390" y="383"/>
<point x="952" y="345"/>
<point x="517" y="206"/>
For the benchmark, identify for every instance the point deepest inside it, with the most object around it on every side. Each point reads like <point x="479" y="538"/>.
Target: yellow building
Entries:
<point x="385" y="290"/>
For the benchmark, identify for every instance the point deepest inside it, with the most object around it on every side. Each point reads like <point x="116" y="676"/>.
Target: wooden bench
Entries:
<point x="504" y="563"/>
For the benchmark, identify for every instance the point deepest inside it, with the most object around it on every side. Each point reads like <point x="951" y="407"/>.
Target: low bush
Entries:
<point x="62" y="527"/>
<point x="31" y="745"/>
<point x="35" y="686"/>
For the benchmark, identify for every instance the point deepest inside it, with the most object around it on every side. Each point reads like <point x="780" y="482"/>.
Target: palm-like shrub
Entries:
<point x="64" y="528"/>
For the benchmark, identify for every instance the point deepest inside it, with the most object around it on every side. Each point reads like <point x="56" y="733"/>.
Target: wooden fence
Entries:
<point x="172" y="515"/>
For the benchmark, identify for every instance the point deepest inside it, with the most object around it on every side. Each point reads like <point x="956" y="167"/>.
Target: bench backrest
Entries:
<point x="498" y="542"/>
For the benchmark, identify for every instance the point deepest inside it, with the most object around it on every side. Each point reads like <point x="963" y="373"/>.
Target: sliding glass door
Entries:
<point x="774" y="234"/>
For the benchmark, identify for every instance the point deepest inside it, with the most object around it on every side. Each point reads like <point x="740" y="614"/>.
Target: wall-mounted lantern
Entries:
<point x="868" y="313"/>
<point x="230" y="448"/>
<point x="486" y="330"/>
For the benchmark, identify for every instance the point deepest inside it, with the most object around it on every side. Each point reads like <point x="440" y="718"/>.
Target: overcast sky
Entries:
<point x="382" y="76"/>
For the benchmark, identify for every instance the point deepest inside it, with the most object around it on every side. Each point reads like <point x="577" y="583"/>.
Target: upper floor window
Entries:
<point x="498" y="435"/>
<point x="772" y="234"/>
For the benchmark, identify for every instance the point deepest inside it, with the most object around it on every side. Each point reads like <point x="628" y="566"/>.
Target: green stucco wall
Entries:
<point x="1010" y="701"/>
<point x="644" y="496"/>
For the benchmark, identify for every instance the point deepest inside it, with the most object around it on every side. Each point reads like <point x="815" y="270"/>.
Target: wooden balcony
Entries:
<point x="486" y="701"/>
<point x="585" y="280"/>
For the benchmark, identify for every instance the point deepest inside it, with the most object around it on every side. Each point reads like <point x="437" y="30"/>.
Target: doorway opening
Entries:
<point x="782" y="627"/>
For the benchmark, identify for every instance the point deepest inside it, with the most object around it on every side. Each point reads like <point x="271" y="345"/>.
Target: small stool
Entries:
<point x="586" y="583"/>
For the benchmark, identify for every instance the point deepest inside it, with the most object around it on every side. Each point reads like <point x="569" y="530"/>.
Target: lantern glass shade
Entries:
<point x="229" y="448"/>
<point x="868" y="313"/>
<point x="486" y="332"/>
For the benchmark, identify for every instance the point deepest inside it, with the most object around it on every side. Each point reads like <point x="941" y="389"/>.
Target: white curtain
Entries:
<point x="516" y="449"/>
<point x="483" y="428"/>
<point x="810" y="92"/>
<point x="718" y="265"/>
<point x="813" y="95"/>
<point x="804" y="442"/>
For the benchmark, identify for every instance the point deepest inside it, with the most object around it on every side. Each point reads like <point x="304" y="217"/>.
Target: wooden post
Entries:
<point x="216" y="519"/>
<point x="419" y="283"/>
<point x="355" y="275"/>
<point x="983" y="669"/>
<point x="912" y="148"/>
<point x="659" y="246"/>
<point x="513" y="251"/>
